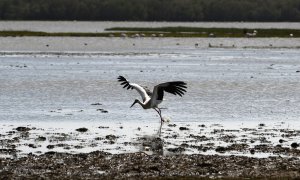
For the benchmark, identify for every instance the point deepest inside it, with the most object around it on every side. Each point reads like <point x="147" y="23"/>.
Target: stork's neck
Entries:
<point x="142" y="104"/>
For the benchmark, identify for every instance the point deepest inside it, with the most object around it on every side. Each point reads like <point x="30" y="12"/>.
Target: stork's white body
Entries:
<point x="148" y="102"/>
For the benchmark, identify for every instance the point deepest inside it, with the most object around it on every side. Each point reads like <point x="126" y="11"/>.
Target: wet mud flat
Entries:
<point x="253" y="140"/>
<point x="103" y="165"/>
<point x="174" y="151"/>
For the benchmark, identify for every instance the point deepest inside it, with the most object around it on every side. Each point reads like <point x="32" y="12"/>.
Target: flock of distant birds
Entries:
<point x="141" y="35"/>
<point x="137" y="35"/>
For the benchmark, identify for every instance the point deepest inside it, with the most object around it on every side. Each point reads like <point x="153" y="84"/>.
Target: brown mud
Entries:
<point x="103" y="165"/>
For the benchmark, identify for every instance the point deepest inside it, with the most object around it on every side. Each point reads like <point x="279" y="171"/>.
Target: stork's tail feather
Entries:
<point x="124" y="82"/>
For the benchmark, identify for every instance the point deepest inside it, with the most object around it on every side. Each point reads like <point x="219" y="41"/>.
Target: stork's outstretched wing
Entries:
<point x="137" y="87"/>
<point x="147" y="90"/>
<point x="174" y="87"/>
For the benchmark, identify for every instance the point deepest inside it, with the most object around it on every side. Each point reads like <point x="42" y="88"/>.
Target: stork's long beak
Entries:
<point x="133" y="104"/>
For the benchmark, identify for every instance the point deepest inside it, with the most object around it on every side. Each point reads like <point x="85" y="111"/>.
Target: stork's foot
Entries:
<point x="165" y="120"/>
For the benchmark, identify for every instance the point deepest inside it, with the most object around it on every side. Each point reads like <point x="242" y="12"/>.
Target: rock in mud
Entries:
<point x="220" y="149"/>
<point x="103" y="127"/>
<point x="50" y="146"/>
<point x="200" y="138"/>
<point x="78" y="147"/>
<point x="183" y="128"/>
<point x="109" y="142"/>
<point x="202" y="125"/>
<point x="32" y="146"/>
<point x="23" y="129"/>
<point x="8" y="151"/>
<point x="262" y="124"/>
<point x="294" y="145"/>
<point x="96" y="104"/>
<point x="111" y="137"/>
<point x="252" y="151"/>
<point x="82" y="129"/>
<point x="172" y="125"/>
<point x="40" y="138"/>
<point x="176" y="150"/>
<point x="102" y="110"/>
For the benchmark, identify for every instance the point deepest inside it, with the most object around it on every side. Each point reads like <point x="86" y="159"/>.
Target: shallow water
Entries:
<point x="223" y="85"/>
<point x="68" y="84"/>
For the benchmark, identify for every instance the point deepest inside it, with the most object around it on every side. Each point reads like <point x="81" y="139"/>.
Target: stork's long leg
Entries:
<point x="159" y="112"/>
<point x="159" y="130"/>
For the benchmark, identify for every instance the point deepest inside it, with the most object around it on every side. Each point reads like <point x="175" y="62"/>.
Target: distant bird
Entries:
<point x="251" y="34"/>
<point x="211" y="35"/>
<point x="135" y="36"/>
<point x="123" y="35"/>
<point x="153" y="99"/>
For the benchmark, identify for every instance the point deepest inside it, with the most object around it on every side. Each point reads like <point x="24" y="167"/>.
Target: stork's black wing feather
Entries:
<point x="124" y="82"/>
<point x="174" y="87"/>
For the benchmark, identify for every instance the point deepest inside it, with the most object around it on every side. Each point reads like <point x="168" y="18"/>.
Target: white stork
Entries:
<point x="152" y="100"/>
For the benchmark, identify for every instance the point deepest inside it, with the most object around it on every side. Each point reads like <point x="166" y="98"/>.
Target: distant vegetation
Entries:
<point x="151" y="10"/>
<point x="167" y="32"/>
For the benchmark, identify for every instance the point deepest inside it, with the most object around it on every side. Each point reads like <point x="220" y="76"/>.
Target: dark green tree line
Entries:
<point x="151" y="10"/>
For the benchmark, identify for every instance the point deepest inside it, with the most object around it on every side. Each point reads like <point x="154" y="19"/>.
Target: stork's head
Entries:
<point x="135" y="101"/>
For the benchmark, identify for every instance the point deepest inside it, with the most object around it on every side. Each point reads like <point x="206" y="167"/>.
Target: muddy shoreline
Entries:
<point x="103" y="165"/>
<point x="178" y="152"/>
